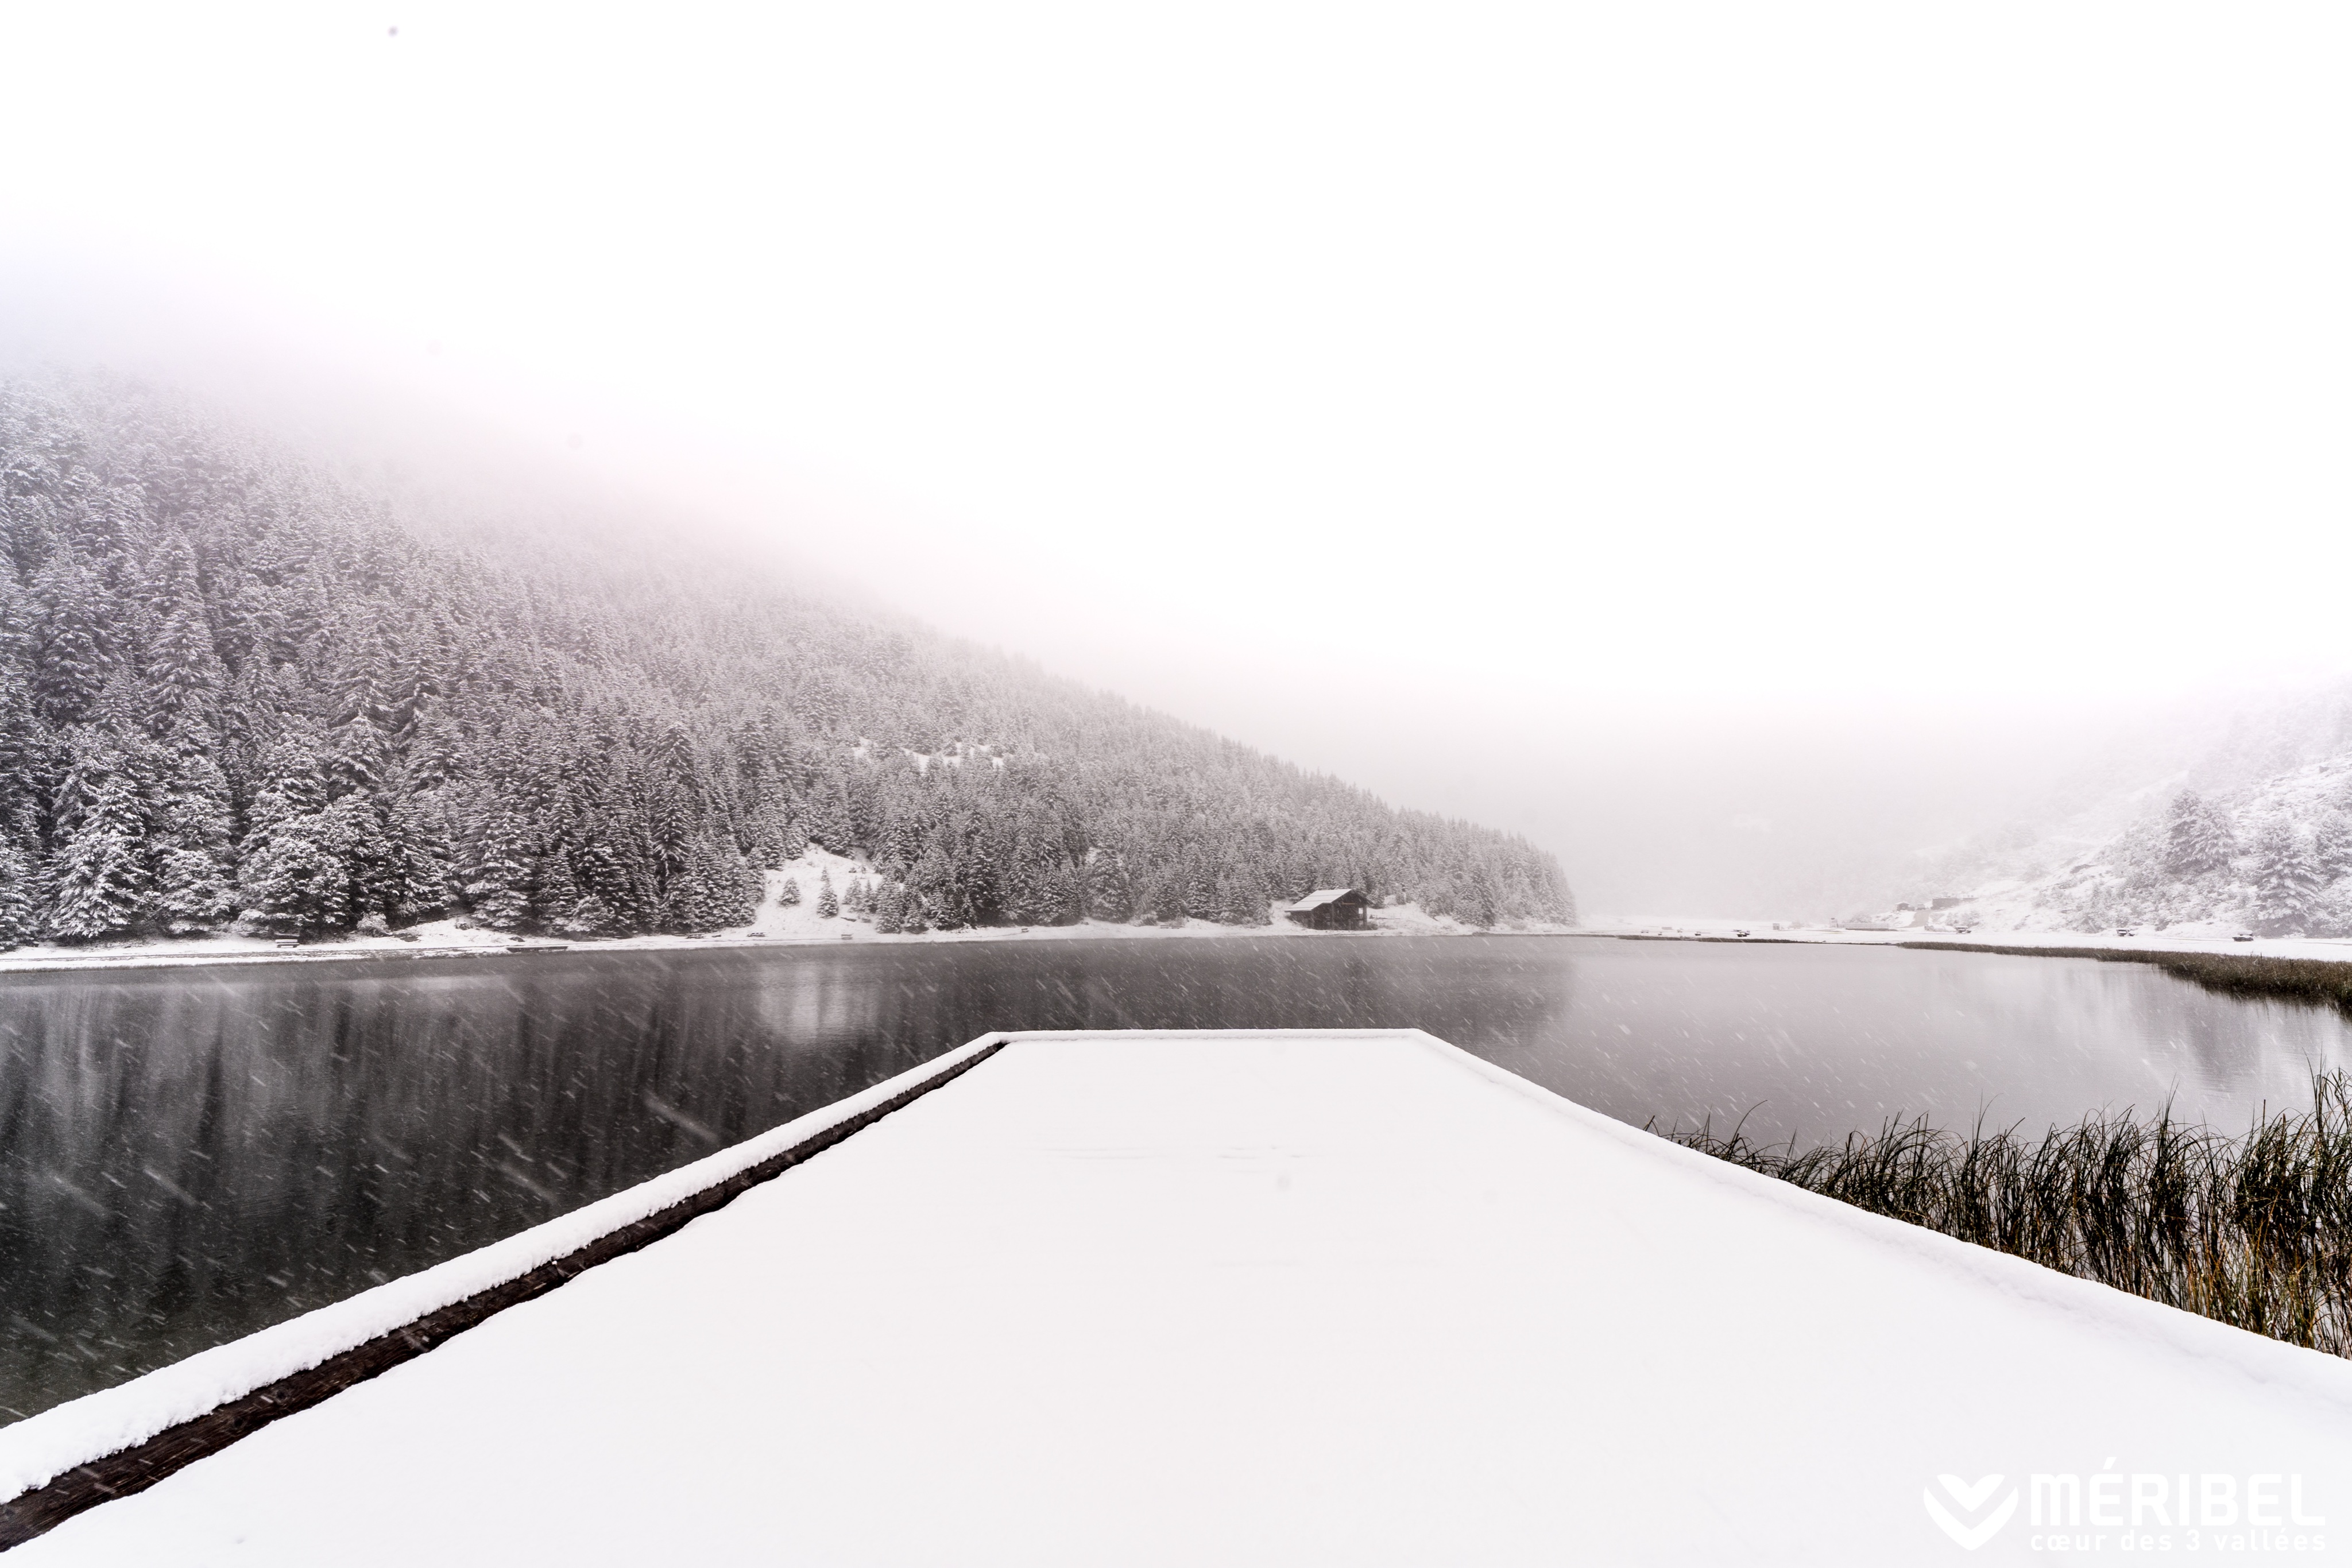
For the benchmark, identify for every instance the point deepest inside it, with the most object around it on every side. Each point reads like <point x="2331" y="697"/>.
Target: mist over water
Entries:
<point x="188" y="1156"/>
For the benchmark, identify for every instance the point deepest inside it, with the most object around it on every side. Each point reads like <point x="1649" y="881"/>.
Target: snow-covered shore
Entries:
<point x="776" y="923"/>
<point x="2205" y="936"/>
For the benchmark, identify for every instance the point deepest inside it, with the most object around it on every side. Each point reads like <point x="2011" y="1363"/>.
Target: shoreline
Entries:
<point x="2312" y="971"/>
<point x="246" y="952"/>
<point x="2146" y="944"/>
<point x="785" y="915"/>
<point x="444" y="943"/>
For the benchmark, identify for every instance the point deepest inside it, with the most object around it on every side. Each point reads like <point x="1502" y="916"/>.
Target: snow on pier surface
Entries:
<point x="1280" y="1298"/>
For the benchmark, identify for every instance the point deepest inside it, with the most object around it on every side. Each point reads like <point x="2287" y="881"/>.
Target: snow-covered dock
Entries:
<point x="1278" y="1298"/>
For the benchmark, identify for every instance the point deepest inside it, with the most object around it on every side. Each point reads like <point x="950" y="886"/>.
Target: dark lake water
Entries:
<point x="187" y="1156"/>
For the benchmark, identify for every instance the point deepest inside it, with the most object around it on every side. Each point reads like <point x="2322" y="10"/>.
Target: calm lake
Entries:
<point x="187" y="1156"/>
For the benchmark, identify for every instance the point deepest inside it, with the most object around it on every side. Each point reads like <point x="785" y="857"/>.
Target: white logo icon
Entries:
<point x="1969" y="1498"/>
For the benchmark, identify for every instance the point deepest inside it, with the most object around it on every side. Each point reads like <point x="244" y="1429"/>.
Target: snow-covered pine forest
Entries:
<point x="239" y="693"/>
<point x="2275" y="858"/>
<point x="2240" y="820"/>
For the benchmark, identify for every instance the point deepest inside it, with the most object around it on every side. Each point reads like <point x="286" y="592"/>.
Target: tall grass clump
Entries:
<point x="2254" y="1229"/>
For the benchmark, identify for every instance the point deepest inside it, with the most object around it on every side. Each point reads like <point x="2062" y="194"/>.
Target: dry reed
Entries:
<point x="2255" y="1230"/>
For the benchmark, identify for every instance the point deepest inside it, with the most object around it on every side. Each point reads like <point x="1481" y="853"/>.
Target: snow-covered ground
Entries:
<point x="2274" y="782"/>
<point x="2195" y="936"/>
<point x="1283" y="1299"/>
<point x="774" y="922"/>
<point x="1677" y="925"/>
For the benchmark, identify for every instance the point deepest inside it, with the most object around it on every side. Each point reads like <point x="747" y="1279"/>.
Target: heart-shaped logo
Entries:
<point x="1970" y="1497"/>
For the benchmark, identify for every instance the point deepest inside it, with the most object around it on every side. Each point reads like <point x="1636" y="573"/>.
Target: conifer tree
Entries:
<point x="19" y="908"/>
<point x="827" y="905"/>
<point x="935" y="887"/>
<point x="2199" y="836"/>
<point x="588" y="916"/>
<point x="291" y="883"/>
<point x="2287" y="875"/>
<point x="764" y="841"/>
<point x="1476" y="903"/>
<point x="498" y="871"/>
<point x="790" y="894"/>
<point x="101" y="877"/>
<point x="558" y="904"/>
<point x="707" y="900"/>
<point x="2332" y="843"/>
<point x="436" y="755"/>
<point x="715" y="889"/>
<point x="417" y="871"/>
<point x="744" y="886"/>
<point x="193" y="893"/>
<point x="353" y="830"/>
<point x="1108" y="893"/>
<point x="184" y="676"/>
<point x="194" y="872"/>
<point x="1170" y="896"/>
<point x="1241" y="900"/>
<point x="290" y="786"/>
<point x="74" y="647"/>
<point x="830" y="826"/>
<point x="28" y="755"/>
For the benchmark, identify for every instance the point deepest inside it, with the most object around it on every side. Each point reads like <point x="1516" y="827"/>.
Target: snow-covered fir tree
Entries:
<point x="2198" y="837"/>
<point x="99" y="881"/>
<point x="2288" y="876"/>
<point x="20" y="908"/>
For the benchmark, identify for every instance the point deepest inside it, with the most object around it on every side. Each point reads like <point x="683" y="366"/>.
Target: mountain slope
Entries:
<point x="2252" y="829"/>
<point x="235" y="691"/>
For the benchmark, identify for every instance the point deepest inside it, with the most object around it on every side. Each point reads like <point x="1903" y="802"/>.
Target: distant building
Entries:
<point x="1333" y="909"/>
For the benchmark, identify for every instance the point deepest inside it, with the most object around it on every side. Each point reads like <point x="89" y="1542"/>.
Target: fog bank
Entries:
<point x="1732" y="449"/>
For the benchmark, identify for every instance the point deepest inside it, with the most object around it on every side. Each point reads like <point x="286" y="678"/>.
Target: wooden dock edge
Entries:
<point x="135" y="1469"/>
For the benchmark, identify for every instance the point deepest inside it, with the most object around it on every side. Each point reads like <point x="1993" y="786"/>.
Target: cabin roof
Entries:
<point x="1323" y="895"/>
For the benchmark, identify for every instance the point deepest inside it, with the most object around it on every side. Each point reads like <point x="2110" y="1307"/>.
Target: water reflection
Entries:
<point x="186" y="1157"/>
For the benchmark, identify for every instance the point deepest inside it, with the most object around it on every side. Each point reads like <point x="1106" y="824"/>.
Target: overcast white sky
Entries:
<point x="1594" y="419"/>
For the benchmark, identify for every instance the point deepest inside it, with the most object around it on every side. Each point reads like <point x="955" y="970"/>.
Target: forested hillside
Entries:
<point x="236" y="693"/>
<point x="2274" y="857"/>
<point x="2252" y="829"/>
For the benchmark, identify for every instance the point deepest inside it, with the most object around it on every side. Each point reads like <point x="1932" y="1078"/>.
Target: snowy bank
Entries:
<point x="2203" y="937"/>
<point x="775" y="924"/>
<point x="1273" y="1298"/>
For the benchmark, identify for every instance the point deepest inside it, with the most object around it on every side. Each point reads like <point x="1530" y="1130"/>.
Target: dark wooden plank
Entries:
<point x="135" y="1469"/>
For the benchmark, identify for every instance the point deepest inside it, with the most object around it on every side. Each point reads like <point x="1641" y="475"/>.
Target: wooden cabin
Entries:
<point x="1333" y="909"/>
